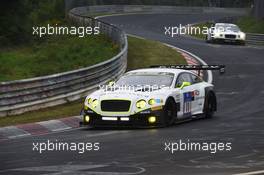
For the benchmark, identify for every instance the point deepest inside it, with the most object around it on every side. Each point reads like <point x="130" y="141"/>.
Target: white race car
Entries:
<point x="152" y="97"/>
<point x="225" y="32"/>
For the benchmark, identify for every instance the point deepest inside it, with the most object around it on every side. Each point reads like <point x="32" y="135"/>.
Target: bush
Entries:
<point x="17" y="17"/>
<point x="251" y="25"/>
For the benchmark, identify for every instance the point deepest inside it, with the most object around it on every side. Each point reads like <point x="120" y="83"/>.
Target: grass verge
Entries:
<point x="144" y="53"/>
<point x="46" y="58"/>
<point x="141" y="53"/>
<point x="251" y="25"/>
<point x="69" y="109"/>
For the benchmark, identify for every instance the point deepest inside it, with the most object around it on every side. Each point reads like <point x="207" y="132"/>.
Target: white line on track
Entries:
<point x="139" y="37"/>
<point x="228" y="93"/>
<point x="106" y="133"/>
<point x="120" y="14"/>
<point x="251" y="173"/>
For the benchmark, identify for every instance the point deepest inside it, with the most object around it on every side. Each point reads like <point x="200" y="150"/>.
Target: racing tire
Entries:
<point x="169" y="112"/>
<point x="209" y="105"/>
<point x="243" y="43"/>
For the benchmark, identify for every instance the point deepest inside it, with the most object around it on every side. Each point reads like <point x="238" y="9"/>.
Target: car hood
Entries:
<point x="230" y="32"/>
<point x="128" y="94"/>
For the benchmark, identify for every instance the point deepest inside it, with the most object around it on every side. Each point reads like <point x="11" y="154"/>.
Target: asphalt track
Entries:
<point x="239" y="120"/>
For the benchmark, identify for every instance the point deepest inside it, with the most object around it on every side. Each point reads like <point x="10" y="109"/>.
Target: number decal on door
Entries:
<point x="188" y="97"/>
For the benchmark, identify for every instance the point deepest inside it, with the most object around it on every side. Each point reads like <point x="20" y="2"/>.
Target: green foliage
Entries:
<point x="48" y="11"/>
<point x="13" y="25"/>
<point x="65" y="110"/>
<point x="54" y="55"/>
<point x="251" y="25"/>
<point x="17" y="17"/>
<point x="144" y="53"/>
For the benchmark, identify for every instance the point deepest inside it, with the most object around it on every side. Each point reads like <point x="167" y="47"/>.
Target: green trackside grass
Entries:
<point x="141" y="53"/>
<point x="54" y="55"/>
<point x="66" y="110"/>
<point x="144" y="53"/>
<point x="251" y="25"/>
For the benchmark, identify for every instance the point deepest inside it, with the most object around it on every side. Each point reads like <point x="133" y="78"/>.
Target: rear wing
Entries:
<point x="220" y="68"/>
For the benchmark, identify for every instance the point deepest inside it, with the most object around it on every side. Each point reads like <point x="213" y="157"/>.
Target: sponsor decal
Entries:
<point x="188" y="97"/>
<point x="158" y="100"/>
<point x="187" y="102"/>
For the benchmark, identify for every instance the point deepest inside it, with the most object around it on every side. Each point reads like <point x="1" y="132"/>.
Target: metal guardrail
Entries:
<point x="255" y="38"/>
<point x="109" y="9"/>
<point x="20" y="96"/>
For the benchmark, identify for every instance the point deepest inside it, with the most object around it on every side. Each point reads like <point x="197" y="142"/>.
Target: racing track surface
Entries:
<point x="239" y="120"/>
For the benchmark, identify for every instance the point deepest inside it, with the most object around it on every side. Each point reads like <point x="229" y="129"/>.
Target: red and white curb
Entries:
<point x="189" y="59"/>
<point x="39" y="128"/>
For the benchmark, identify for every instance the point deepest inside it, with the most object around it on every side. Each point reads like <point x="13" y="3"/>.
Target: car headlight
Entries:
<point x="216" y="34"/>
<point x="151" y="101"/>
<point x="95" y="103"/>
<point x="86" y="107"/>
<point x="141" y="104"/>
<point x="152" y="119"/>
<point x="87" y="118"/>
<point x="242" y="35"/>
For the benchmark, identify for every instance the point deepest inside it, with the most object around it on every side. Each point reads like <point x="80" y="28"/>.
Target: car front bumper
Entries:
<point x="224" y="38"/>
<point x="141" y="119"/>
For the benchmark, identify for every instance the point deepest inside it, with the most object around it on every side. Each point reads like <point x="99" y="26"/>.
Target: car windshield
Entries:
<point x="146" y="79"/>
<point x="227" y="27"/>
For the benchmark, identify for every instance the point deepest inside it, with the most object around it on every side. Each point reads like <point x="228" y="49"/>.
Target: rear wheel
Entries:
<point x="210" y="105"/>
<point x="170" y="112"/>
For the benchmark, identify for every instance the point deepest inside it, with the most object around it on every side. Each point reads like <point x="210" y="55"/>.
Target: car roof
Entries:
<point x="162" y="70"/>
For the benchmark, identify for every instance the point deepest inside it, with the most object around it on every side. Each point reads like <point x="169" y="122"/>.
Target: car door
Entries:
<point x="198" y="94"/>
<point x="186" y="95"/>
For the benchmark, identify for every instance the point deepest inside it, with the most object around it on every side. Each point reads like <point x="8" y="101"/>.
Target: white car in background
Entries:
<point x="225" y="32"/>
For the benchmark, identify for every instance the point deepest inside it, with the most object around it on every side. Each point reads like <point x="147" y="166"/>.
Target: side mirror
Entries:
<point x="111" y="83"/>
<point x="184" y="84"/>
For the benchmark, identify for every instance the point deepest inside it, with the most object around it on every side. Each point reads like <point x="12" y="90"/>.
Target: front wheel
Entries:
<point x="169" y="112"/>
